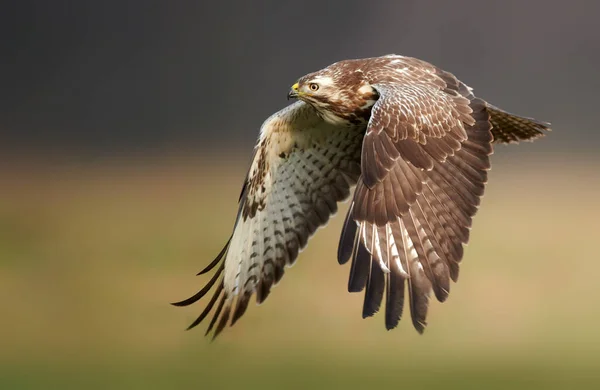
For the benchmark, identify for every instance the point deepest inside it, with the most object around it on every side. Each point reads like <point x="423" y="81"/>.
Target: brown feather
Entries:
<point x="347" y="238"/>
<point x="241" y="306"/>
<point x="434" y="227"/>
<point x="374" y="290"/>
<point x="440" y="280"/>
<point x="418" y="284"/>
<point x="359" y="271"/>
<point x="375" y="282"/>
<point x="394" y="303"/>
<point x="411" y="151"/>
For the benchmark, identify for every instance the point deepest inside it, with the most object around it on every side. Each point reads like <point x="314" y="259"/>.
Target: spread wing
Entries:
<point x="424" y="164"/>
<point x="301" y="168"/>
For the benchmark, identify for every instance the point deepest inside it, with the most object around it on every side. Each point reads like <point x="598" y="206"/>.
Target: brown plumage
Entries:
<point x="416" y="143"/>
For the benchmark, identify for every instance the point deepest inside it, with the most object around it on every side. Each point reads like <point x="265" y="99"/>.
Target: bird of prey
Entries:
<point x="414" y="143"/>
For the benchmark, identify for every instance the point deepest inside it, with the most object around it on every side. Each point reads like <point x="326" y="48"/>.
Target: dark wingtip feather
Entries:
<point x="263" y="289"/>
<point x="394" y="303"/>
<point x="196" y="297"/>
<point x="240" y="308"/>
<point x="222" y="322"/>
<point x="216" y="315"/>
<point x="217" y="259"/>
<point x="443" y="290"/>
<point x="374" y="291"/>
<point x="419" y="288"/>
<point x="346" y="245"/>
<point x="419" y="311"/>
<point x="419" y="326"/>
<point x="359" y="271"/>
<point x="208" y="307"/>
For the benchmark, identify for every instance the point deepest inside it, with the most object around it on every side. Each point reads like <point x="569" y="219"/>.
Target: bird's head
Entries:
<point x="340" y="93"/>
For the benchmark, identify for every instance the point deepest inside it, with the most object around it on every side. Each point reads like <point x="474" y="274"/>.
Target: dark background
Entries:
<point x="126" y="129"/>
<point x="144" y="76"/>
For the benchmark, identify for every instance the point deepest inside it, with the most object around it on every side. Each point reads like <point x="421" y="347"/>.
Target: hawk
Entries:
<point x="411" y="140"/>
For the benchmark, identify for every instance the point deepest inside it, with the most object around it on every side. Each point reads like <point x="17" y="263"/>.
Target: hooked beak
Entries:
<point x="293" y="92"/>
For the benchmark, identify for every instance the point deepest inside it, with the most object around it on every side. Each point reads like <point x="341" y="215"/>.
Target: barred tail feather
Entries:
<point x="511" y="128"/>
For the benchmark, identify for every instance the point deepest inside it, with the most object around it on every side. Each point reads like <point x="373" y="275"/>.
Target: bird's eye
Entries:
<point x="313" y="86"/>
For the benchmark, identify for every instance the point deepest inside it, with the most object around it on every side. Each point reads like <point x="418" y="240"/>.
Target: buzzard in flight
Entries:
<point x="415" y="142"/>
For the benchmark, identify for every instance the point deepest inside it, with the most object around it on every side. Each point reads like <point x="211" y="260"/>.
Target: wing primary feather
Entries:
<point x="412" y="227"/>
<point x="241" y="306"/>
<point x="347" y="238"/>
<point x="263" y="288"/>
<point x="433" y="228"/>
<point x="196" y="297"/>
<point x="428" y="205"/>
<point x="375" y="284"/>
<point x="217" y="314"/>
<point x="436" y="267"/>
<point x="394" y="300"/>
<point x="208" y="307"/>
<point x="359" y="271"/>
<point x="217" y="259"/>
<point x="223" y="321"/>
<point x="418" y="285"/>
<point x="394" y="303"/>
<point x="454" y="229"/>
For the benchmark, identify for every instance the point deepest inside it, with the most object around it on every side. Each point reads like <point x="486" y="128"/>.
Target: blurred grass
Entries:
<point x="91" y="254"/>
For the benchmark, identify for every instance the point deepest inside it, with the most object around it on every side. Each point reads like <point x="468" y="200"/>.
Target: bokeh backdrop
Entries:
<point x="127" y="127"/>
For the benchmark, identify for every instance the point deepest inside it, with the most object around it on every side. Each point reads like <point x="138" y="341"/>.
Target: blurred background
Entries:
<point x="127" y="128"/>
